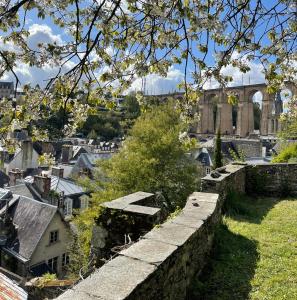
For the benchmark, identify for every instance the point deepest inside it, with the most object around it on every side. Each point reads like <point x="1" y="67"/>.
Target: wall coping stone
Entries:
<point x="114" y="281"/>
<point x="123" y="202"/>
<point x="150" y="251"/>
<point x="231" y="169"/>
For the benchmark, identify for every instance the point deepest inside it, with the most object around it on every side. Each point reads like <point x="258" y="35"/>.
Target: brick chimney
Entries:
<point x="43" y="184"/>
<point x="67" y="153"/>
<point x="14" y="174"/>
<point x="57" y="171"/>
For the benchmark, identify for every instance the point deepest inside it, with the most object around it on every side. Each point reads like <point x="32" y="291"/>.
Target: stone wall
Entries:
<point x="164" y="261"/>
<point x="124" y="220"/>
<point x="272" y="179"/>
<point x="250" y="148"/>
<point x="231" y="177"/>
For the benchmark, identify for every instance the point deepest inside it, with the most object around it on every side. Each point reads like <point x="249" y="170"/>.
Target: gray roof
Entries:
<point x="203" y="157"/>
<point x="32" y="218"/>
<point x="61" y="185"/>
<point x="21" y="189"/>
<point x="4" y="179"/>
<point x="88" y="160"/>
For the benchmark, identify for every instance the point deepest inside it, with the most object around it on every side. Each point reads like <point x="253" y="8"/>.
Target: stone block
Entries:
<point x="115" y="280"/>
<point x="171" y="233"/>
<point x="150" y="251"/>
<point x="142" y="210"/>
<point x="189" y="221"/>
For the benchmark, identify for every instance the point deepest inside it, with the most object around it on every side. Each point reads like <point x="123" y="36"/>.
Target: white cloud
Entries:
<point x="39" y="33"/>
<point x="254" y="76"/>
<point x="42" y="33"/>
<point x="156" y="84"/>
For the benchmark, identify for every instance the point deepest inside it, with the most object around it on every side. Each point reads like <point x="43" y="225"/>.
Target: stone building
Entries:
<point x="216" y="113"/>
<point x="6" y="89"/>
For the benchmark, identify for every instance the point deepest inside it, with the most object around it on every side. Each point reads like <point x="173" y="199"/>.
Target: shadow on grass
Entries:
<point x="248" y="208"/>
<point x="230" y="270"/>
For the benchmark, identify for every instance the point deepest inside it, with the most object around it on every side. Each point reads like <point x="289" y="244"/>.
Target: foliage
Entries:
<point x="46" y="159"/>
<point x="152" y="159"/>
<point x="218" y="157"/>
<point x="109" y="44"/>
<point x="287" y="154"/>
<point x="131" y="106"/>
<point x="105" y="124"/>
<point x="254" y="254"/>
<point x="289" y="120"/>
<point x="47" y="277"/>
<point x="237" y="156"/>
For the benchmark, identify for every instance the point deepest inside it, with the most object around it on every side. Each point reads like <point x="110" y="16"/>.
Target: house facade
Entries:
<point x="34" y="238"/>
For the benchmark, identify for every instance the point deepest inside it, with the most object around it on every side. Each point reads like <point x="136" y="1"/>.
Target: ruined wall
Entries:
<point x="272" y="179"/>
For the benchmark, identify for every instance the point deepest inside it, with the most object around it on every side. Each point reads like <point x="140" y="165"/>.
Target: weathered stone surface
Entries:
<point x="170" y="233"/>
<point x="115" y="280"/>
<point x="143" y="210"/>
<point x="154" y="252"/>
<point x="123" y="202"/>
<point x="189" y="221"/>
<point x="204" y="197"/>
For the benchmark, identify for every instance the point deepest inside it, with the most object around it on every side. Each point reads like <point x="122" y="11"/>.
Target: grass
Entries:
<point x="255" y="253"/>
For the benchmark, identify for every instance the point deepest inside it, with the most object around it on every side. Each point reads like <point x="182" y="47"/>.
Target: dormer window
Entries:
<point x="54" y="236"/>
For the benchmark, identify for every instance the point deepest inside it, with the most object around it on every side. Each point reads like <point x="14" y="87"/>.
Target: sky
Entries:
<point x="44" y="31"/>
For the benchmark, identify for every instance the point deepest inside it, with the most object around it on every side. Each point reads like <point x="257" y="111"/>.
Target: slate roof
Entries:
<point x="32" y="219"/>
<point x="4" y="179"/>
<point x="88" y="160"/>
<point x="78" y="150"/>
<point x="61" y="185"/>
<point x="21" y="189"/>
<point x="204" y="158"/>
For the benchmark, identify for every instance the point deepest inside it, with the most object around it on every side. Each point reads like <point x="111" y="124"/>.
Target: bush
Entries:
<point x="288" y="154"/>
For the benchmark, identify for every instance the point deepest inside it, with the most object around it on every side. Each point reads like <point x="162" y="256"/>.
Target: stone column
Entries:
<point x="264" y="118"/>
<point x="251" y="125"/>
<point x="267" y="105"/>
<point x="205" y="118"/>
<point x="226" y="118"/>
<point x="239" y="119"/>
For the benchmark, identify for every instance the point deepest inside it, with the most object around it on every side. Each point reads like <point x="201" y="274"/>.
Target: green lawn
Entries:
<point x="255" y="253"/>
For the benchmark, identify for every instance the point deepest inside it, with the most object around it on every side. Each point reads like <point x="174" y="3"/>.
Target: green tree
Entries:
<point x="218" y="157"/>
<point x="131" y="106"/>
<point x="152" y="159"/>
<point x="106" y="124"/>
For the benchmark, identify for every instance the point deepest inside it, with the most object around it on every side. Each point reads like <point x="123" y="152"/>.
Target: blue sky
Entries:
<point x="43" y="30"/>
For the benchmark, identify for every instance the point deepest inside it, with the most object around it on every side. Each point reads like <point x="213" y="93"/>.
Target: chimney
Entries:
<point x="43" y="183"/>
<point x="27" y="148"/>
<point x="67" y="153"/>
<point x="57" y="171"/>
<point x="14" y="174"/>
